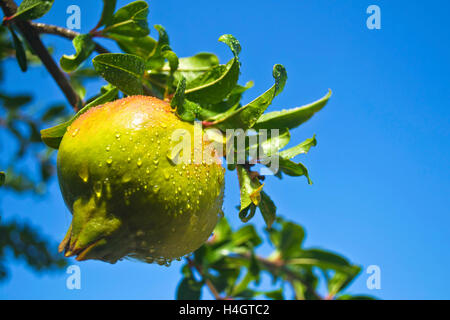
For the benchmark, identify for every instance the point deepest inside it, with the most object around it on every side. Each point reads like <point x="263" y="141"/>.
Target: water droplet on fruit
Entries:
<point x="109" y="161"/>
<point x="108" y="148"/>
<point x="139" y="162"/>
<point x="84" y="174"/>
<point x="75" y="132"/>
<point x="156" y="188"/>
<point x="98" y="186"/>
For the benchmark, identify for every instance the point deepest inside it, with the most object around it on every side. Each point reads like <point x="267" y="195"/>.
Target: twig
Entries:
<point x="208" y="282"/>
<point x="63" y="32"/>
<point x="32" y="36"/>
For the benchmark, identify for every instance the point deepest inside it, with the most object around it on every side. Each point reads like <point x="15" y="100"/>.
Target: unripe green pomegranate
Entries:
<point x="127" y="196"/>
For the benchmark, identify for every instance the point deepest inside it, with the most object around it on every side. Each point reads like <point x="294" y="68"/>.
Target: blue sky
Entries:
<point x="381" y="167"/>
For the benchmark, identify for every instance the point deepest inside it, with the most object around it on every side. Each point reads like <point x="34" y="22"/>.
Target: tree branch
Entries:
<point x="32" y="37"/>
<point x="63" y="32"/>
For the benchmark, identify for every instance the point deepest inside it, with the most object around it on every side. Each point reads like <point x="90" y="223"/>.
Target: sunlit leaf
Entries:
<point x="342" y="280"/>
<point x="32" y="9"/>
<point x="250" y="190"/>
<point x="84" y="46"/>
<point x="140" y="46"/>
<point x="107" y="13"/>
<point x="124" y="71"/>
<point x="299" y="149"/>
<point x="130" y="20"/>
<point x="246" y="116"/>
<point x="215" y="84"/>
<point x="293" y="169"/>
<point x="291" y="118"/>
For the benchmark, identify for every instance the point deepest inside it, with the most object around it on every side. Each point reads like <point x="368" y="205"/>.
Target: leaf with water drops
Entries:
<point x="32" y="9"/>
<point x="185" y="109"/>
<point x="124" y="71"/>
<point x="246" y="116"/>
<point x="291" y="118"/>
<point x="216" y="84"/>
<point x="130" y="20"/>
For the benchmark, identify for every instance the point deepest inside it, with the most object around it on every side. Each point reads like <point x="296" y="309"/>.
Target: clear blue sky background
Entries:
<point x="381" y="167"/>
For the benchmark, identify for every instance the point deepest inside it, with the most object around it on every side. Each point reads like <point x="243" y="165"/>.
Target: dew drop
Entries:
<point x="98" y="186"/>
<point x="75" y="132"/>
<point x="139" y="162"/>
<point x="109" y="160"/>
<point x="156" y="188"/>
<point x="84" y="174"/>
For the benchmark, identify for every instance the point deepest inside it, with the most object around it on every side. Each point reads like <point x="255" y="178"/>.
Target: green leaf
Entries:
<point x="268" y="209"/>
<point x="250" y="190"/>
<point x="222" y="231"/>
<point x="84" y="46"/>
<point x="291" y="118"/>
<point x="2" y="178"/>
<point x="185" y="109"/>
<point x="192" y="67"/>
<point x="171" y="57"/>
<point x="271" y="143"/>
<point x="228" y="106"/>
<point x="299" y="149"/>
<point x="140" y="46"/>
<point x="32" y="9"/>
<point x="293" y="169"/>
<point x="216" y="84"/>
<point x="52" y="136"/>
<point x="323" y="259"/>
<point x="20" y="51"/>
<point x="189" y="289"/>
<point x="246" y="116"/>
<point x="341" y="280"/>
<point x="291" y="239"/>
<point x="130" y="20"/>
<point x="107" y="13"/>
<point x="287" y="237"/>
<point x="275" y="294"/>
<point x="14" y="102"/>
<point x="124" y="71"/>
<point x="246" y="235"/>
<point x="155" y="60"/>
<point x="232" y="42"/>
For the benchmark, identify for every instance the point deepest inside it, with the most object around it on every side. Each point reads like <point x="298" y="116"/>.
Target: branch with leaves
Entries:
<point x="198" y="88"/>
